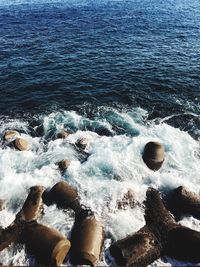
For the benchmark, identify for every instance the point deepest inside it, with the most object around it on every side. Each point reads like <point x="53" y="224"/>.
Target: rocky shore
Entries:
<point x="161" y="235"/>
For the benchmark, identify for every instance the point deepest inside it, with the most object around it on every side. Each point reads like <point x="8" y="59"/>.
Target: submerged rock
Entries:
<point x="128" y="200"/>
<point x="21" y="144"/>
<point x="87" y="239"/>
<point x="2" y="204"/>
<point x="64" y="164"/>
<point x="46" y="244"/>
<point x="82" y="143"/>
<point x="63" y="134"/>
<point x="153" y="155"/>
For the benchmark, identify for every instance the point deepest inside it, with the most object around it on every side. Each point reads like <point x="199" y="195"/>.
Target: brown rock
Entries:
<point x="184" y="201"/>
<point x="9" y="235"/>
<point x="153" y="155"/>
<point x="2" y="204"/>
<point x="21" y="144"/>
<point x="64" y="164"/>
<point x="63" y="195"/>
<point x="10" y="135"/>
<point x="33" y="205"/>
<point x="63" y="134"/>
<point x="87" y="240"/>
<point x="139" y="249"/>
<point x="127" y="200"/>
<point x="46" y="244"/>
<point x="82" y="143"/>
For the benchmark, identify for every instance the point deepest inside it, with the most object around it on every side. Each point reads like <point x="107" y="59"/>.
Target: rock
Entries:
<point x="82" y="143"/>
<point x="46" y="244"/>
<point x="127" y="200"/>
<point x="153" y="155"/>
<point x="63" y="134"/>
<point x="63" y="195"/>
<point x="33" y="205"/>
<point x="9" y="235"/>
<point x="87" y="240"/>
<point x="64" y="164"/>
<point x="21" y="144"/>
<point x="139" y="249"/>
<point x="183" y="201"/>
<point x="2" y="204"/>
<point x="10" y="135"/>
<point x="183" y="244"/>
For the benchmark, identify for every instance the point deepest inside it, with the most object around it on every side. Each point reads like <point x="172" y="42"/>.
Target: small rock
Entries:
<point x="21" y="144"/>
<point x="2" y="204"/>
<point x="10" y="135"/>
<point x="64" y="164"/>
<point x="82" y="143"/>
<point x="127" y="200"/>
<point x="63" y="134"/>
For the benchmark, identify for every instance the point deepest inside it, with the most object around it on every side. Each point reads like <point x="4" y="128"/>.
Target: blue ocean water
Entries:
<point x="119" y="72"/>
<point x="61" y="54"/>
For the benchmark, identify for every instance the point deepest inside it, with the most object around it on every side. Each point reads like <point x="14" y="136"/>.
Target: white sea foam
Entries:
<point x="114" y="166"/>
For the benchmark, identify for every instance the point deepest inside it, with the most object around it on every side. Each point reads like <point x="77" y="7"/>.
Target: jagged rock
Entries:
<point x="183" y="201"/>
<point x="82" y="143"/>
<point x="21" y="144"/>
<point x="153" y="155"/>
<point x="46" y="244"/>
<point x="139" y="249"/>
<point x="2" y="204"/>
<point x="63" y="134"/>
<point x="63" y="195"/>
<point x="9" y="235"/>
<point x="10" y="135"/>
<point x="87" y="239"/>
<point x="128" y="200"/>
<point x="64" y="164"/>
<point x="33" y="205"/>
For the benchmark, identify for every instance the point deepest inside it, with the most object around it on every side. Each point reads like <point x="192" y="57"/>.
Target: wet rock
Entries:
<point x="183" y="244"/>
<point x="82" y="143"/>
<point x="63" y="134"/>
<point x="127" y="200"/>
<point x="64" y="164"/>
<point x="2" y="204"/>
<point x="33" y="205"/>
<point x="139" y="249"/>
<point x="87" y="239"/>
<point x="46" y="244"/>
<point x="9" y="235"/>
<point x="153" y="155"/>
<point x="10" y="135"/>
<point x="182" y="201"/>
<point x="63" y="195"/>
<point x="21" y="144"/>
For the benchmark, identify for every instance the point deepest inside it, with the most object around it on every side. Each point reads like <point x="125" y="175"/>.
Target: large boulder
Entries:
<point x="87" y="239"/>
<point x="153" y="155"/>
<point x="63" y="195"/>
<point x="46" y="244"/>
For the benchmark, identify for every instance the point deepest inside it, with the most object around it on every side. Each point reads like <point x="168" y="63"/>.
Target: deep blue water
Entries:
<point x="78" y="55"/>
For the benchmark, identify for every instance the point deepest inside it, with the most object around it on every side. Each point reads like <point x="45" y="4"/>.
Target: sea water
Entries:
<point x="121" y="74"/>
